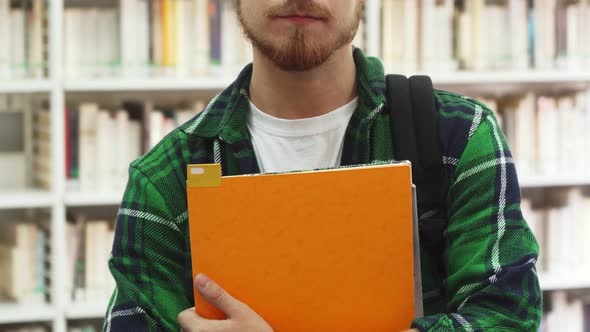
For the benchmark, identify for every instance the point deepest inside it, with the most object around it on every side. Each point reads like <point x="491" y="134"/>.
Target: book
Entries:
<point x="545" y="33"/>
<point x="5" y="59"/>
<point x="546" y="132"/>
<point x="519" y="41"/>
<point x="24" y="243"/>
<point x="215" y="31"/>
<point x="200" y="31"/>
<point x="103" y="141"/>
<point x="481" y="35"/>
<point x="23" y="32"/>
<point x="567" y="313"/>
<point x="42" y="149"/>
<point x="436" y="35"/>
<point x="88" y="119"/>
<point x="88" y="279"/>
<point x="560" y="221"/>
<point x="346" y="233"/>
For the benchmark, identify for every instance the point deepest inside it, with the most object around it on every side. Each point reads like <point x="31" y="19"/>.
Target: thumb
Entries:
<point x="218" y="297"/>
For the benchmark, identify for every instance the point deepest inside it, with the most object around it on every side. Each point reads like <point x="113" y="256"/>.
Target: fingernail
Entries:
<point x="202" y="281"/>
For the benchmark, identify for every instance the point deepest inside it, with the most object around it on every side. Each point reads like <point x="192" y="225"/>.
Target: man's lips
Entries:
<point x="300" y="19"/>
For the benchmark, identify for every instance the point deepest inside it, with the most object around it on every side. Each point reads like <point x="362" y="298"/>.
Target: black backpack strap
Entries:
<point x="414" y="127"/>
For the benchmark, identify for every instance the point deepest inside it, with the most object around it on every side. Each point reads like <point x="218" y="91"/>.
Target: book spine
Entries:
<point x="143" y="36"/>
<point x="68" y="147"/>
<point x="104" y="161"/>
<point x="128" y="34"/>
<point x="410" y="35"/>
<point x="158" y="59"/>
<point x="180" y="45"/>
<point x="75" y="144"/>
<point x="87" y="149"/>
<point x="124" y="139"/>
<point x="36" y="40"/>
<point x="17" y="28"/>
<point x="215" y="30"/>
<point x="5" y="29"/>
<point x="518" y="33"/>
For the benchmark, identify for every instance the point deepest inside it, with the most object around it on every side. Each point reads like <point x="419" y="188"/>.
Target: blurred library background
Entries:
<point x="86" y="86"/>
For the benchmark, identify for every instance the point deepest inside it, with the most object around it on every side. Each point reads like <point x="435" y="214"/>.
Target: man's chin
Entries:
<point x="298" y="58"/>
<point x="296" y="65"/>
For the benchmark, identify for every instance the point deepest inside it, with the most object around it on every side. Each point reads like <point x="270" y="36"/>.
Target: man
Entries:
<point x="310" y="100"/>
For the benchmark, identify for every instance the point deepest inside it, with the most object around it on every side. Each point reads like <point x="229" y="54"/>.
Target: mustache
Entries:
<point x="300" y="7"/>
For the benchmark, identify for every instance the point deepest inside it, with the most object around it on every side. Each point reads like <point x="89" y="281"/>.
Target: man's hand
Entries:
<point x="239" y="316"/>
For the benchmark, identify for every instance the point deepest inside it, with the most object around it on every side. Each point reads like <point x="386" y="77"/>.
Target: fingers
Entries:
<point x="188" y="318"/>
<point x="218" y="297"/>
<point x="190" y="321"/>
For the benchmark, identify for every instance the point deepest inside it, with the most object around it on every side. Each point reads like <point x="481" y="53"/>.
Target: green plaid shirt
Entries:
<point x="490" y="253"/>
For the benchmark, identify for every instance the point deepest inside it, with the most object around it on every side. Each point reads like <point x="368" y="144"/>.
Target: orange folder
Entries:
<point x="325" y="250"/>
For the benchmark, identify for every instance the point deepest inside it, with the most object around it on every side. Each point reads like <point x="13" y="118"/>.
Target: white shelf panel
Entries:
<point x="554" y="181"/>
<point x="509" y="77"/>
<point x="148" y="84"/>
<point x="23" y="313"/>
<point x="94" y="310"/>
<point x="25" y="86"/>
<point x="563" y="281"/>
<point x="22" y="199"/>
<point x="492" y="79"/>
<point x="73" y="199"/>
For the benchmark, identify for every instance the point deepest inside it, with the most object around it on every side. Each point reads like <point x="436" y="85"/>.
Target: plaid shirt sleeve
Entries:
<point x="490" y="256"/>
<point x="148" y="259"/>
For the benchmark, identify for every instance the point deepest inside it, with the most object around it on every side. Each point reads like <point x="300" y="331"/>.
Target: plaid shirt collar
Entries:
<point x="225" y="117"/>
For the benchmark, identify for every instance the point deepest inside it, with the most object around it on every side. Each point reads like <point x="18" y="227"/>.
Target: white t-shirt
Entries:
<point x="284" y="145"/>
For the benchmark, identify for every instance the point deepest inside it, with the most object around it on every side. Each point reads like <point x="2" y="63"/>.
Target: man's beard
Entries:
<point x="297" y="51"/>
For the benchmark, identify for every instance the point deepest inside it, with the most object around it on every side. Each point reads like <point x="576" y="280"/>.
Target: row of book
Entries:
<point x="569" y="312"/>
<point x="101" y="143"/>
<point x="560" y="220"/>
<point x="89" y="245"/>
<point x="168" y="38"/>
<point x="154" y="38"/>
<point x="446" y="35"/>
<point x="547" y="134"/>
<point x="23" y="39"/>
<point x="24" y="244"/>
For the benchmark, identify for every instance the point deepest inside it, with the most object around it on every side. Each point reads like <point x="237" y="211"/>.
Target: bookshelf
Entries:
<point x="81" y="199"/>
<point x="145" y="85"/>
<point x="486" y="81"/>
<point x="59" y="89"/>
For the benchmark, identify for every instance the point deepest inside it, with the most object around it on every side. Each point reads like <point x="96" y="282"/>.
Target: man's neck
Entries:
<point x="299" y="95"/>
